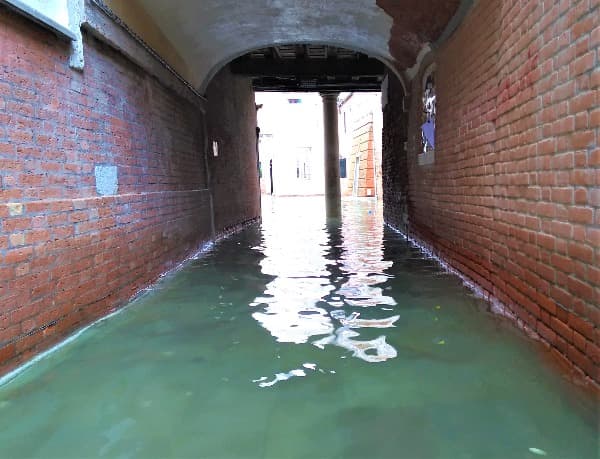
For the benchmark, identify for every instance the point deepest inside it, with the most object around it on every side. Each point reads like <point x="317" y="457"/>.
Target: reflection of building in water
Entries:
<point x="360" y="349"/>
<point x="363" y="266"/>
<point x="362" y="260"/>
<point x="290" y="312"/>
<point x="357" y="292"/>
<point x="354" y="321"/>
<point x="307" y="265"/>
<point x="381" y="350"/>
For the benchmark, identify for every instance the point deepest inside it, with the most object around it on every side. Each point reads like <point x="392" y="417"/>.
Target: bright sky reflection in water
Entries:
<point x="300" y="340"/>
<point x="315" y="277"/>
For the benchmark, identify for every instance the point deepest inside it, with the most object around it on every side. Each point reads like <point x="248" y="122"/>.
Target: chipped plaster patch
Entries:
<point x="15" y="208"/>
<point x="107" y="182"/>
<point x="17" y="240"/>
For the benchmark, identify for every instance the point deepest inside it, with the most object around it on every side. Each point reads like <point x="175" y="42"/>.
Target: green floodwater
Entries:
<point x="283" y="342"/>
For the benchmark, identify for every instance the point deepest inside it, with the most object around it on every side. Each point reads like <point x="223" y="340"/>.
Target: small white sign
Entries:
<point x="215" y="148"/>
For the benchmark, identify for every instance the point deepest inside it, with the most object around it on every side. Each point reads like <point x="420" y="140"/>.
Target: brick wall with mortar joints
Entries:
<point x="394" y="157"/>
<point x="234" y="172"/>
<point x="67" y="255"/>
<point x="513" y="199"/>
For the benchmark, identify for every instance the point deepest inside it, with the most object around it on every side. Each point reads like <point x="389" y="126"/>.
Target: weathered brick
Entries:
<point x="56" y="125"/>
<point x="540" y="159"/>
<point x="582" y="326"/>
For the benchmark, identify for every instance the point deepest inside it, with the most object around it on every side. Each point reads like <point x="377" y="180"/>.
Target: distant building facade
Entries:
<point x="291" y="140"/>
<point x="360" y="125"/>
<point x="291" y="143"/>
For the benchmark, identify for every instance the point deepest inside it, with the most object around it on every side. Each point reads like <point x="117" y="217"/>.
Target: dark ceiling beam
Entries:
<point x="372" y="84"/>
<point x="332" y="88"/>
<point x="307" y="68"/>
<point x="300" y="52"/>
<point x="275" y="52"/>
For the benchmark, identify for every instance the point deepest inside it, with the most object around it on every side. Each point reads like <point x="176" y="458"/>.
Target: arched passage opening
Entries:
<point x="303" y="64"/>
<point x="328" y="70"/>
<point x="199" y="38"/>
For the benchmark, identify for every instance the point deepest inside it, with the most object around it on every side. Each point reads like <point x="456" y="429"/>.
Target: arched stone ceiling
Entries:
<point x="207" y="34"/>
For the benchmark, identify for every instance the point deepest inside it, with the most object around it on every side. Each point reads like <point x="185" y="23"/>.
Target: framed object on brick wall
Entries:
<point x="53" y="14"/>
<point x="428" y="94"/>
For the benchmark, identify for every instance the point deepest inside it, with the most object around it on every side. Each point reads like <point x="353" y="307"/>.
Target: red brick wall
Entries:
<point x="513" y="198"/>
<point x="234" y="172"/>
<point x="68" y="255"/>
<point x="394" y="163"/>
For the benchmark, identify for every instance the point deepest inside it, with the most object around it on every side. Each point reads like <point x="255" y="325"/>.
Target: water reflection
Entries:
<point x="189" y="371"/>
<point x="342" y="337"/>
<point x="321" y="273"/>
<point x="296" y="258"/>
<point x="362" y="261"/>
<point x="354" y="321"/>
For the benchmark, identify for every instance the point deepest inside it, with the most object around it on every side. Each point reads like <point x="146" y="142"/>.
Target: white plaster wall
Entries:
<point x="291" y="133"/>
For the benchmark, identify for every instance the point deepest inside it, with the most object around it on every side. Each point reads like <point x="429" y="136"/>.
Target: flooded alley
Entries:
<point x="298" y="338"/>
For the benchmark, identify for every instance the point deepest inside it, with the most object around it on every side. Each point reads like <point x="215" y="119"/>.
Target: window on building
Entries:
<point x="343" y="172"/>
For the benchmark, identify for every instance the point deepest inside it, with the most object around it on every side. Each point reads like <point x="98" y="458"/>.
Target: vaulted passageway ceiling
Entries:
<point x="207" y="34"/>
<point x="310" y="68"/>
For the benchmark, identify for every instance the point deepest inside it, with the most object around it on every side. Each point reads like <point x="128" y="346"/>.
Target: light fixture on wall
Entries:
<point x="215" y="148"/>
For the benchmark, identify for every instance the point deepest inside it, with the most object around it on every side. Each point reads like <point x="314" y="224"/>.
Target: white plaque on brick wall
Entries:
<point x="107" y="181"/>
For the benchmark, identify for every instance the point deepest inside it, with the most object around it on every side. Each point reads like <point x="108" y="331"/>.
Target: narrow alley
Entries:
<point x="301" y="338"/>
<point x="300" y="228"/>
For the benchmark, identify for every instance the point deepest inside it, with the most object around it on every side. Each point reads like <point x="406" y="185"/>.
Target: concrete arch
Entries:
<point x="199" y="38"/>
<point x="388" y="62"/>
<point x="205" y="36"/>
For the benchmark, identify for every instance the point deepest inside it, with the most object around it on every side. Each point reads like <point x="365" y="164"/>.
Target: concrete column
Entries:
<point x="333" y="198"/>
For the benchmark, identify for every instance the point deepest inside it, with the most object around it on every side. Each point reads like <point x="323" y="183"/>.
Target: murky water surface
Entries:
<point x="301" y="340"/>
